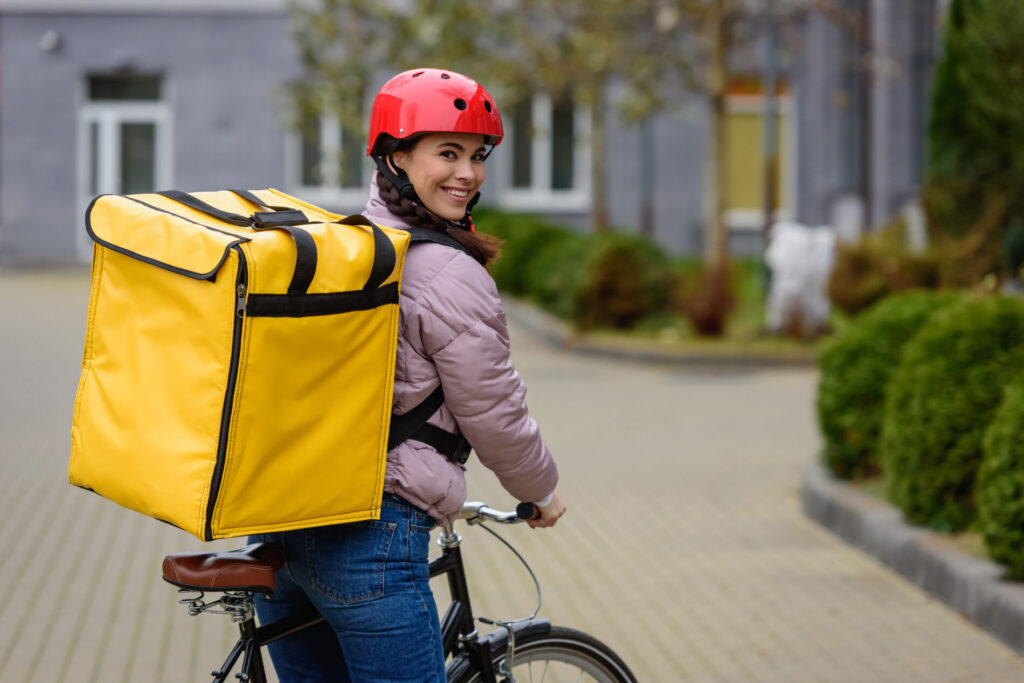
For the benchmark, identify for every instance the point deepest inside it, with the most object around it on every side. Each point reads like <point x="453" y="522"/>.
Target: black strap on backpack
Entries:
<point x="413" y="424"/>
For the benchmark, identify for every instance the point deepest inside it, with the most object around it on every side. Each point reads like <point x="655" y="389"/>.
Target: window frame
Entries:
<point x="540" y="196"/>
<point x="328" y="193"/>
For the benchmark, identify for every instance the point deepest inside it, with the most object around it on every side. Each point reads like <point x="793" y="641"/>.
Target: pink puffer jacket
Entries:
<point x="452" y="330"/>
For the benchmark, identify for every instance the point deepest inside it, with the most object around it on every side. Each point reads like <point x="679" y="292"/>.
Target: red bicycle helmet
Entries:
<point x="432" y="101"/>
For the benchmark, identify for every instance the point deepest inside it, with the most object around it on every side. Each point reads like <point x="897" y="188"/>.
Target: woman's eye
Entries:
<point x="478" y="157"/>
<point x="448" y="154"/>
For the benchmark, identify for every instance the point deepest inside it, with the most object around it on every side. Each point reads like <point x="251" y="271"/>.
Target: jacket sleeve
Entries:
<point x="467" y="338"/>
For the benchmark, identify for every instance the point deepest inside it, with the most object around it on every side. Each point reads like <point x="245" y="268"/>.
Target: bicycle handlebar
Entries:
<point x="476" y="512"/>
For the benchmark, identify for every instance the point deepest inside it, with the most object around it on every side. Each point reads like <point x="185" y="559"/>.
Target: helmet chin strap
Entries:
<point x="389" y="169"/>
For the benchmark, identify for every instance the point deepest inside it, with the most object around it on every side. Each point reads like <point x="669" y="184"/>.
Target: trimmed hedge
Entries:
<point x="877" y="266"/>
<point x="609" y="280"/>
<point x="626" y="279"/>
<point x="1000" y="487"/>
<point x="855" y="371"/>
<point x="555" y="274"/>
<point x="940" y="401"/>
<point x="525" y="237"/>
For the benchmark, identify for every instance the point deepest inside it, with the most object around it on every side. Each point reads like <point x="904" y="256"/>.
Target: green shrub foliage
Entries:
<point x="855" y="371"/>
<point x="976" y="129"/>
<point x="877" y="265"/>
<point x="627" y="278"/>
<point x="525" y="237"/>
<point x="557" y="271"/>
<point x="1000" y="487"/>
<point x="940" y="401"/>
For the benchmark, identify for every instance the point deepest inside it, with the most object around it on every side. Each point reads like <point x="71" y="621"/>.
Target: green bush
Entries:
<point x="711" y="302"/>
<point x="1000" y="487"/>
<point x="627" y="279"/>
<point x="855" y="370"/>
<point x="524" y="236"/>
<point x="611" y="280"/>
<point x="976" y="129"/>
<point x="939" y="402"/>
<point x="555" y="274"/>
<point x="877" y="265"/>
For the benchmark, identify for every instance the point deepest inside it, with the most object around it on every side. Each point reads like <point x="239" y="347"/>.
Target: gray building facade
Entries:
<point x="864" y="89"/>
<point x="115" y="96"/>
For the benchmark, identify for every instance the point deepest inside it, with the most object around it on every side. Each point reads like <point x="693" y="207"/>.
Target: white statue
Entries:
<point x="801" y="260"/>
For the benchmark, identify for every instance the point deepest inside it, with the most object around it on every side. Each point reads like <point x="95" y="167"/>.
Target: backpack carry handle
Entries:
<point x="305" y="247"/>
<point x="384" y="256"/>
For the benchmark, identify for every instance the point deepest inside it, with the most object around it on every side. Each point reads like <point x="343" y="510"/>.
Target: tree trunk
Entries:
<point x="717" y="248"/>
<point x="648" y="159"/>
<point x="599" y="162"/>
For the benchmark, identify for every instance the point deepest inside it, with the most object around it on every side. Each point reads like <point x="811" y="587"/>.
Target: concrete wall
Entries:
<point x="826" y="103"/>
<point x="862" y="109"/>
<point x="677" y="169"/>
<point x="903" y="66"/>
<point x="221" y="75"/>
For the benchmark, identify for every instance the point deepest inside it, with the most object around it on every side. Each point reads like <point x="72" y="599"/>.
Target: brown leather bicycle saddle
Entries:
<point x="246" y="569"/>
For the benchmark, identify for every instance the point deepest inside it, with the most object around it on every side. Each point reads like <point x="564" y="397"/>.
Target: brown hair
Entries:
<point x="484" y="248"/>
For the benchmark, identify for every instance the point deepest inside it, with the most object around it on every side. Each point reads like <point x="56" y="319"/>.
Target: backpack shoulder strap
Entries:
<point x="413" y="425"/>
<point x="424" y="235"/>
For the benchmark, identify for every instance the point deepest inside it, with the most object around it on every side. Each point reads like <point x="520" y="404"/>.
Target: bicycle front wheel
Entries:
<point x="563" y="654"/>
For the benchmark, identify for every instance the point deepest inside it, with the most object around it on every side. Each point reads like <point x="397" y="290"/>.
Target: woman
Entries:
<point x="430" y="132"/>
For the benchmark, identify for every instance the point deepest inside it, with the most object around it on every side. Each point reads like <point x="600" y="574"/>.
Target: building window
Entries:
<point x="745" y="177"/>
<point x="121" y="88"/>
<point x="329" y="163"/>
<point x="544" y="157"/>
<point x="124" y="139"/>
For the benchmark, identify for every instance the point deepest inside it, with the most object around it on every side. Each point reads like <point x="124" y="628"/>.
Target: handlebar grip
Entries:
<point x="526" y="511"/>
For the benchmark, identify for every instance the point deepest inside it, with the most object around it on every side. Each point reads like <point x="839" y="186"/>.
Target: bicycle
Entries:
<point x="521" y="649"/>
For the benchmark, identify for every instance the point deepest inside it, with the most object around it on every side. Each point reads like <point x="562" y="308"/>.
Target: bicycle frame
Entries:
<point x="459" y="636"/>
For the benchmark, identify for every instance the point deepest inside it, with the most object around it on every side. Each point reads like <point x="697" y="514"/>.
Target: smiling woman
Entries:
<point x="455" y="390"/>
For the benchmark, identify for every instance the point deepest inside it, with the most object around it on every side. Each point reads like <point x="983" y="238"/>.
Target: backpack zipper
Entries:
<point x="241" y="284"/>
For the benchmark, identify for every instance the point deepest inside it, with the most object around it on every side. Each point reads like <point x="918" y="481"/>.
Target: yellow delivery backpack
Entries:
<point x="239" y="361"/>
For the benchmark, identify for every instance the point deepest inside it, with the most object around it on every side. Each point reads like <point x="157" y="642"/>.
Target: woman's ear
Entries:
<point x="398" y="159"/>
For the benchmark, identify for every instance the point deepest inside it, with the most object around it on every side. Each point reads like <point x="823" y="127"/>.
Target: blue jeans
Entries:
<point x="370" y="582"/>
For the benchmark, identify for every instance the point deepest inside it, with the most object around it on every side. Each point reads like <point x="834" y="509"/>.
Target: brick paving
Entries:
<point x="684" y="548"/>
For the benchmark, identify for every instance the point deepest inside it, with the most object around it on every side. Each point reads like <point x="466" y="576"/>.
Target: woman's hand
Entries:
<point x="548" y="515"/>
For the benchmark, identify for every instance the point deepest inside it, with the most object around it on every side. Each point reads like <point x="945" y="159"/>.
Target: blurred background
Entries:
<point x="810" y="212"/>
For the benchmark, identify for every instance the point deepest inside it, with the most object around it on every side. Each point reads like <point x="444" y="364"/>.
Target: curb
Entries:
<point x="561" y="335"/>
<point x="970" y="585"/>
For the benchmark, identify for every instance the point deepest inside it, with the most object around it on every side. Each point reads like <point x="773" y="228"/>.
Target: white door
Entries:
<point x="124" y="148"/>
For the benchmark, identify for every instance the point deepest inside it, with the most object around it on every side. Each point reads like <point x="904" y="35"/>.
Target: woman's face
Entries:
<point x="446" y="169"/>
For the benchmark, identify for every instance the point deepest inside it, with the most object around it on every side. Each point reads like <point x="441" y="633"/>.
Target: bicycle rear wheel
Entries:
<point x="563" y="654"/>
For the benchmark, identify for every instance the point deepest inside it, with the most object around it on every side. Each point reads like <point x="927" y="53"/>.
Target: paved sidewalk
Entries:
<point x="684" y="548"/>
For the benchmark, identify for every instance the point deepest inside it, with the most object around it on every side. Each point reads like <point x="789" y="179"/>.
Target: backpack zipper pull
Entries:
<point x="240" y="301"/>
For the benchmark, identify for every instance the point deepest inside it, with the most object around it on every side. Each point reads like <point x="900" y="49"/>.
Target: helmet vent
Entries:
<point x="460" y="104"/>
<point x="445" y="76"/>
<point x="418" y="74"/>
<point x="488" y="107"/>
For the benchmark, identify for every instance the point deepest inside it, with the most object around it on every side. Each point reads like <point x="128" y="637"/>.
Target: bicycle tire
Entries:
<point x="563" y="654"/>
